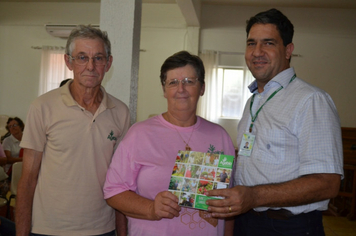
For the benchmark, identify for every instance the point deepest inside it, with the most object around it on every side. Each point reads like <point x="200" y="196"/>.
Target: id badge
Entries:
<point x="246" y="145"/>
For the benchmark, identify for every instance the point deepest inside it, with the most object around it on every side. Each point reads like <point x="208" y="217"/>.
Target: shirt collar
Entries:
<point x="281" y="79"/>
<point x="14" y="140"/>
<point x="68" y="99"/>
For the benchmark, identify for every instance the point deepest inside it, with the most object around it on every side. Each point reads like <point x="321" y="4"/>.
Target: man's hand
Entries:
<point x="238" y="200"/>
<point x="303" y="190"/>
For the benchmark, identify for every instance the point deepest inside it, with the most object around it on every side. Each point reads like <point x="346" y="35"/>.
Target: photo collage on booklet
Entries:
<point x="195" y="173"/>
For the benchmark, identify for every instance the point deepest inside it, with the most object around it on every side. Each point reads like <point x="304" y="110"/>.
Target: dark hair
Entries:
<point x="181" y="59"/>
<point x="275" y="17"/>
<point x="87" y="32"/>
<point x="64" y="82"/>
<point x="19" y="121"/>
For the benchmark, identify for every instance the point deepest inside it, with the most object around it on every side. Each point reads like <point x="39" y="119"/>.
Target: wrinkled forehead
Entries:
<point x="88" y="46"/>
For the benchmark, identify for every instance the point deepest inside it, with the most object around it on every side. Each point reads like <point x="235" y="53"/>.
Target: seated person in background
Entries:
<point x="11" y="143"/>
<point x="139" y="174"/>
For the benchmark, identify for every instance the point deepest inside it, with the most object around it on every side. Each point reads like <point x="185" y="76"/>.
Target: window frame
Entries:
<point x="225" y="67"/>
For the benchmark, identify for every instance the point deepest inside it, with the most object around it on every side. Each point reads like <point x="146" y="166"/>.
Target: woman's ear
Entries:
<point x="202" y="90"/>
<point x="164" y="91"/>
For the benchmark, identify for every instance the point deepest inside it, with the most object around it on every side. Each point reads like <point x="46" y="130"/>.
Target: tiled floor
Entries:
<point x="339" y="226"/>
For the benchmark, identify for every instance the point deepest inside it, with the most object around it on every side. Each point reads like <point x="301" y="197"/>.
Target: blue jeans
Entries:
<point x="112" y="233"/>
<point x="249" y="224"/>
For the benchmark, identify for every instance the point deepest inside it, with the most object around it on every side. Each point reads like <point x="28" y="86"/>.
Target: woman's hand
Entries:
<point x="165" y="205"/>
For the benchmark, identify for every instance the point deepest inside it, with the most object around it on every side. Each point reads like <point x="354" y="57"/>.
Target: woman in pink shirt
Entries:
<point x="139" y="175"/>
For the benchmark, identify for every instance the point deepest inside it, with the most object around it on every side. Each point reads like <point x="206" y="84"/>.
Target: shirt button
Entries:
<point x="268" y="146"/>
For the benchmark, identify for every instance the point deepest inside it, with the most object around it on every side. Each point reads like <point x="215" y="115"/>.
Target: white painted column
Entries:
<point x="122" y="20"/>
<point x="191" y="10"/>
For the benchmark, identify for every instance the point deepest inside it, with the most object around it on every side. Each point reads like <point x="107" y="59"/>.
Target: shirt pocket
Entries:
<point x="270" y="146"/>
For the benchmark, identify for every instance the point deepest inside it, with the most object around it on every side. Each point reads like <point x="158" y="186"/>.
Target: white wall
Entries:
<point x="163" y="33"/>
<point x="158" y="45"/>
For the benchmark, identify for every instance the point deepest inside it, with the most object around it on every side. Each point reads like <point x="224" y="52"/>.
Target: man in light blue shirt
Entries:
<point x="294" y="164"/>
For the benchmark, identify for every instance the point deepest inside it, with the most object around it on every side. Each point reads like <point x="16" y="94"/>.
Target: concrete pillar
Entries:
<point x="122" y="20"/>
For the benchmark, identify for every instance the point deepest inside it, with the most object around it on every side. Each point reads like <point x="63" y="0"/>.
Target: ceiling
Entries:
<point x="346" y="4"/>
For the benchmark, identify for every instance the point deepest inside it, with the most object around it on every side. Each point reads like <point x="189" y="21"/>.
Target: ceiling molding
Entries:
<point x="190" y="10"/>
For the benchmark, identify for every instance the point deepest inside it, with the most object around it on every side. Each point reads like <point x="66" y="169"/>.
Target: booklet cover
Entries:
<point x="194" y="173"/>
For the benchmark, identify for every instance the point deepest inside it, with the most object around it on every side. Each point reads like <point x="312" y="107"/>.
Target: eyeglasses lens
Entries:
<point x="186" y="82"/>
<point x="11" y="126"/>
<point x="83" y="60"/>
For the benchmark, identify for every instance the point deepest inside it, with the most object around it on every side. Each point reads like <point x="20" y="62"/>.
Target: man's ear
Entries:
<point x="108" y="65"/>
<point x="68" y="62"/>
<point x="289" y="50"/>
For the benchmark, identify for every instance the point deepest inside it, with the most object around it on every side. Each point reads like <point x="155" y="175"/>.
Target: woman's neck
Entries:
<point x="18" y="136"/>
<point x="182" y="120"/>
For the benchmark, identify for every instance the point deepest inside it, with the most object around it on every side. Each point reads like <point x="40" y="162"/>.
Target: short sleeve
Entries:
<point x="34" y="136"/>
<point x="122" y="173"/>
<point x="319" y="135"/>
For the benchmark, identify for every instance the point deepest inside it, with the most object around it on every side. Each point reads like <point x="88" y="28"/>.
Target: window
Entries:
<point x="232" y="92"/>
<point x="53" y="69"/>
<point x="226" y="91"/>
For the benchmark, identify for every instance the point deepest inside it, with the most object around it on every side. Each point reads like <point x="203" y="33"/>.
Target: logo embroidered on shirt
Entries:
<point x="111" y="136"/>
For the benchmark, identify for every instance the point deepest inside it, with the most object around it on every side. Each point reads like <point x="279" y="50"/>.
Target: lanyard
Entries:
<point x="254" y="117"/>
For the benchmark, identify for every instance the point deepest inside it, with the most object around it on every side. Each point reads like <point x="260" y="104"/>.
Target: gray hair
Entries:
<point x="87" y="32"/>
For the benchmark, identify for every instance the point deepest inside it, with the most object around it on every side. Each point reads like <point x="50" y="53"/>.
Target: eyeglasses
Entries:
<point x="10" y="126"/>
<point x="187" y="82"/>
<point x="83" y="60"/>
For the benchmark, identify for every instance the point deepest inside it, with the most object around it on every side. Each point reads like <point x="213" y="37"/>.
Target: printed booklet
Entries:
<point x="194" y="173"/>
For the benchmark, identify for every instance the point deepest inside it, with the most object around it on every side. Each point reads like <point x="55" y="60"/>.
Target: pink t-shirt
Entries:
<point x="144" y="161"/>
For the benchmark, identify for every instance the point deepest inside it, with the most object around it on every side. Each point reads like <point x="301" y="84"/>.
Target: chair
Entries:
<point x="15" y="177"/>
<point x="3" y="201"/>
<point x="4" y="187"/>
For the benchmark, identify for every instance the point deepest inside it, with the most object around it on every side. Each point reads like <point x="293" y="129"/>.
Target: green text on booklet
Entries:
<point x="194" y="173"/>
